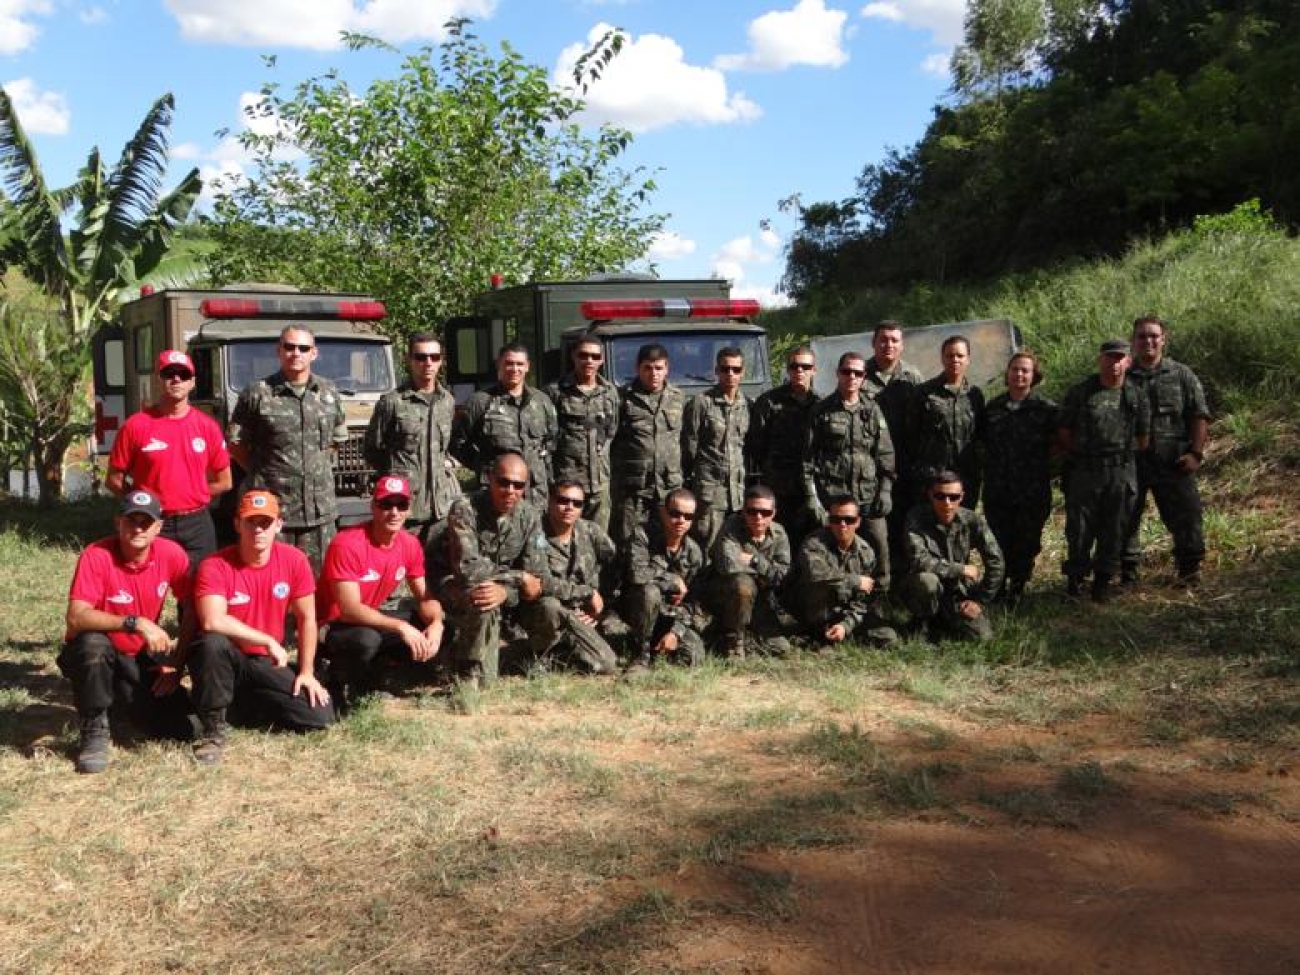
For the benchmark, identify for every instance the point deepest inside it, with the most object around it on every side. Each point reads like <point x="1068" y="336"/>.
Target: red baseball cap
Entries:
<point x="172" y="358"/>
<point x="392" y="486"/>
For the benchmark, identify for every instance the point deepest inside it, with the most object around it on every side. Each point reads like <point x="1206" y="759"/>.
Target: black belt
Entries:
<point x="185" y="514"/>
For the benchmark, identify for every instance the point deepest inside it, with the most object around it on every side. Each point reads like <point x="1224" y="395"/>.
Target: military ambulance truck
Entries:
<point x="692" y="319"/>
<point x="232" y="335"/>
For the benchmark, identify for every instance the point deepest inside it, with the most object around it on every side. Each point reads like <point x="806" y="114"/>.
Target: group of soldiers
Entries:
<point x="596" y="515"/>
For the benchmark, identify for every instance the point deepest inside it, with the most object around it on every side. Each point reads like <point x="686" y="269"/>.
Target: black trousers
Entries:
<point x="355" y="653"/>
<point x="193" y="532"/>
<point x="101" y="678"/>
<point x="252" y="689"/>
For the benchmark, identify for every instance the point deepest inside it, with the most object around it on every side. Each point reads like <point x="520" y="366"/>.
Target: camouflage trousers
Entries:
<point x="476" y="633"/>
<point x="875" y="532"/>
<point x="555" y="631"/>
<point x="649" y="616"/>
<point x="708" y="523"/>
<point x="598" y="507"/>
<point x="929" y="598"/>
<point x="1178" y="501"/>
<point x="821" y="607"/>
<point x="740" y="603"/>
<point x="1098" y="505"/>
<point x="1017" y="523"/>
<point x="312" y="541"/>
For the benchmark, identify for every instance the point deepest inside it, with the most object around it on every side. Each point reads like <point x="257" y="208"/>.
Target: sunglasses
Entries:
<point x="855" y="373"/>
<point x="505" y="482"/>
<point x="427" y="356"/>
<point x="170" y="374"/>
<point x="761" y="512"/>
<point x="800" y="366"/>
<point x="388" y="504"/>
<point x="295" y="347"/>
<point x="564" y="502"/>
<point x="591" y="356"/>
<point x="946" y="495"/>
<point x="842" y="519"/>
<point x="686" y="515"/>
<point x="731" y="370"/>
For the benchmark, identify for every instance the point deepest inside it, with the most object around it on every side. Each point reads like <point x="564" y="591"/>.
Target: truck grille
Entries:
<point x="352" y="475"/>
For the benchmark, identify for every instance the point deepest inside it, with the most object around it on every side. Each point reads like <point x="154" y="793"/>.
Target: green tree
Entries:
<point x="421" y="187"/>
<point x="83" y="248"/>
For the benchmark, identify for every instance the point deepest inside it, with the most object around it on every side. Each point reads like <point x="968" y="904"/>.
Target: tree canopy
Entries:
<point x="423" y="186"/>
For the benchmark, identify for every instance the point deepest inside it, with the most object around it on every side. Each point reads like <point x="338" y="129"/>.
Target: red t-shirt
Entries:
<point x="258" y="596"/>
<point x="108" y="583"/>
<point x="171" y="456"/>
<point x="354" y="557"/>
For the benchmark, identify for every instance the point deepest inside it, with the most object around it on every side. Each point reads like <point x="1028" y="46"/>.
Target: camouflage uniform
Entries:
<point x="935" y="585"/>
<point x="289" y="434"/>
<point x="651" y="573"/>
<point x="943" y="428"/>
<point x="713" y="457"/>
<point x="496" y="422"/>
<point x="646" y="455"/>
<point x="826" y="587"/>
<point x="1175" y="399"/>
<point x="778" y="429"/>
<point x="893" y="393"/>
<point x="849" y="451"/>
<point x="1102" y="476"/>
<point x="1018" y="478"/>
<point x="409" y="434"/>
<point x="575" y="572"/>
<point x="587" y="420"/>
<point x="475" y="545"/>
<point x="745" y="596"/>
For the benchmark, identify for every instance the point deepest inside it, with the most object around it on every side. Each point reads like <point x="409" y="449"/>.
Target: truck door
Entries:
<point x="109" y="366"/>
<point x="471" y="346"/>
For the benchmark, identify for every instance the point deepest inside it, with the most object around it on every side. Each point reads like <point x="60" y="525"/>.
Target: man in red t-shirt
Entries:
<point x="114" y="651"/>
<point x="179" y="454"/>
<point x="242" y="596"/>
<point x="363" y="566"/>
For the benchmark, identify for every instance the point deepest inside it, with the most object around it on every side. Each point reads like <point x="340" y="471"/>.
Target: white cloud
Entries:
<point x="737" y="255"/>
<point x="17" y="32"/>
<point x="808" y="33"/>
<point x="40" y="112"/>
<point x="186" y="150"/>
<point x="938" y="65"/>
<point x="944" y="19"/>
<point x="766" y="295"/>
<point x="670" y="246"/>
<point x="93" y="15"/>
<point x="649" y="85"/>
<point x="316" y="24"/>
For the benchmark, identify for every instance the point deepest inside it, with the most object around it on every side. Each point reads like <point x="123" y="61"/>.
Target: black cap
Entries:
<point x="140" y="501"/>
<point x="1114" y="347"/>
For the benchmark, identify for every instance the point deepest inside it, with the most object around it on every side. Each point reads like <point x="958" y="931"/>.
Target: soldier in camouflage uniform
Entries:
<point x="1180" y="421"/>
<point x="748" y="566"/>
<point x="944" y="423"/>
<point x="283" y="433"/>
<point x="660" y="565"/>
<point x="835" y="587"/>
<point x="586" y="404"/>
<point x="944" y="590"/>
<point x="890" y="381"/>
<point x="486" y="559"/>
<point x="1019" y="437"/>
<point x="509" y="416"/>
<point x="714" y="426"/>
<point x="647" y="452"/>
<point x="778" y="428"/>
<point x="410" y="432"/>
<point x="581" y="559"/>
<point x="849" y="451"/>
<point x="1103" y="419"/>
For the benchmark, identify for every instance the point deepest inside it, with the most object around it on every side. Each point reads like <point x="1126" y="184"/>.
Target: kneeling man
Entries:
<point x="660" y="565"/>
<point x="750" y="562"/>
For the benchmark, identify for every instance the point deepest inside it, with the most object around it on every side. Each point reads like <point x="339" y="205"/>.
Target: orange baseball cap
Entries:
<point x="258" y="503"/>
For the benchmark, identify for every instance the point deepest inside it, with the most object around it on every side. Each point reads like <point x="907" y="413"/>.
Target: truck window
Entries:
<point x="691" y="356"/>
<point x="357" y="367"/>
<point x="203" y="384"/>
<point x="142" y="340"/>
<point x="114" y="364"/>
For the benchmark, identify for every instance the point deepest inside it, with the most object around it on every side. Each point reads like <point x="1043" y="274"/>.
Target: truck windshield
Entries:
<point x="355" y="367"/>
<point x="691" y="356"/>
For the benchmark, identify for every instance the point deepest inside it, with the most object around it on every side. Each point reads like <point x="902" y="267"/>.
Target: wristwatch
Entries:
<point x="129" y="623"/>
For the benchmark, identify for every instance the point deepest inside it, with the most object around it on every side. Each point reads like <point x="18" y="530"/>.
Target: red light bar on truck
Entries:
<point x="317" y="308"/>
<point x="669" y="308"/>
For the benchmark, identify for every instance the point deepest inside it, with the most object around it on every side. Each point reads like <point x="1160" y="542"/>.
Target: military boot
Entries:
<point x="211" y="744"/>
<point x="1128" y="577"/>
<point x="1074" y="586"/>
<point x="92" y="755"/>
<point x="733" y="645"/>
<point x="1101" y="589"/>
<point x="1189" y="574"/>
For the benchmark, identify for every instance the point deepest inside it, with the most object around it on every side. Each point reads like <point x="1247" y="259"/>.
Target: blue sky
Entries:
<point x="736" y="104"/>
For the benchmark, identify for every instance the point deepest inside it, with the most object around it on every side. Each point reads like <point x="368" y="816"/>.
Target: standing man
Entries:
<point x="1180" y="422"/>
<point x="509" y="416"/>
<point x="410" y="434"/>
<point x="647" y="451"/>
<point x="835" y="580"/>
<point x="849" y="451"/>
<point x="945" y="589"/>
<point x="364" y="565"/>
<point x="714" y="425"/>
<point x="1103" y="420"/>
<point x="661" y="564"/>
<point x="114" y="651"/>
<point x="243" y="594"/>
<point x="489" y="557"/>
<point x="778" y="428"/>
<point x="891" y="382"/>
<point x="946" y="417"/>
<point x="586" y="407"/>
<point x="580" y="560"/>
<point x="283" y="433"/>
<point x="750" y="562"/>
<point x="178" y="454"/>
